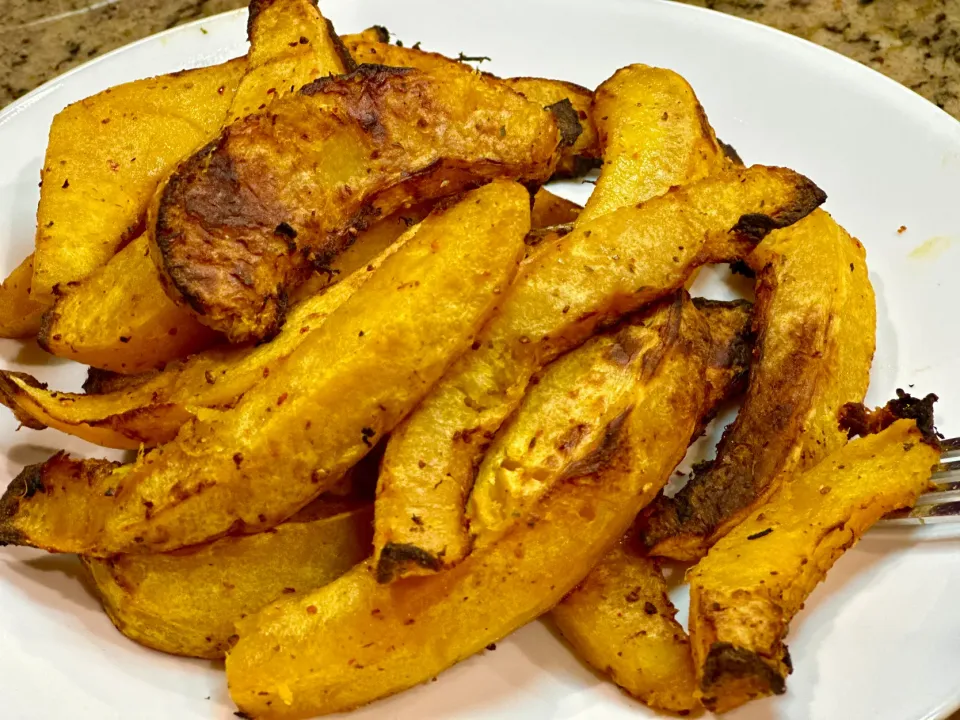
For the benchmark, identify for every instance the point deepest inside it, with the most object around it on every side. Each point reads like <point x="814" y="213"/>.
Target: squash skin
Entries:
<point x="565" y="291"/>
<point x="752" y="582"/>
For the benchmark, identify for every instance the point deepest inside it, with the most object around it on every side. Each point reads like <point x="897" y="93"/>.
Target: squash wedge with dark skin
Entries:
<point x="245" y="220"/>
<point x="600" y="271"/>
<point x="318" y="414"/>
<point x="752" y="582"/>
<point x="356" y="640"/>
<point x="103" y="162"/>
<point x="127" y="411"/>
<point x="620" y="619"/>
<point x="816" y="328"/>
<point x="570" y="101"/>
<point x="152" y="411"/>
<point x="119" y="318"/>
<point x="577" y="405"/>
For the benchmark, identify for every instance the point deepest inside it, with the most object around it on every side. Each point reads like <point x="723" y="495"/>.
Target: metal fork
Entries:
<point x="942" y="504"/>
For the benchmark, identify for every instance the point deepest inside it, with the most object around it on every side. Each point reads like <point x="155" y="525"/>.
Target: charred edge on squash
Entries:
<point x="254" y="10"/>
<point x="383" y="35"/>
<point x="575" y="167"/>
<point x="97" y="381"/>
<point x="47" y="322"/>
<point x="706" y="130"/>
<point x="730" y="152"/>
<point x="807" y="197"/>
<point x="101" y="382"/>
<point x="568" y="121"/>
<point x="349" y="64"/>
<point x="603" y="455"/>
<point x="365" y="73"/>
<point x="726" y="661"/>
<point x="10" y="394"/>
<point x="732" y="354"/>
<point x="719" y="489"/>
<point x="165" y="234"/>
<point x="395" y="556"/>
<point x="538" y="235"/>
<point x="857" y="419"/>
<point x="23" y="487"/>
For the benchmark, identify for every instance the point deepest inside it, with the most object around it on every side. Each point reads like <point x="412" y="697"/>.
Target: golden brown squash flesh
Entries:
<point x="744" y="593"/>
<point x="130" y="411"/>
<point x="151" y="410"/>
<point x="106" y="155"/>
<point x="549" y="210"/>
<point x="314" y="417"/>
<point x="303" y="178"/>
<point x="579" y="156"/>
<point x="576" y="406"/>
<point x="816" y="324"/>
<point x="19" y="313"/>
<point x="356" y="640"/>
<point x="584" y="154"/>
<point x="620" y="620"/>
<point x="654" y="134"/>
<point x="291" y="44"/>
<point x="600" y="271"/>
<point x="187" y="602"/>
<point x="119" y="318"/>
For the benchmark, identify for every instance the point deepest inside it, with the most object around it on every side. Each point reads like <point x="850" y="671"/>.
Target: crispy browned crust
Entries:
<point x="757" y="225"/>
<point x="794" y="357"/>
<point x="47" y="321"/>
<point x="719" y="489"/>
<point x="8" y="394"/>
<point x="349" y="64"/>
<point x="728" y="665"/>
<point x="231" y="236"/>
<point x="730" y="152"/>
<point x="858" y="419"/>
<point x="728" y="366"/>
<point x="398" y="555"/>
<point x="58" y="473"/>
<point x="567" y="120"/>
<point x="100" y="381"/>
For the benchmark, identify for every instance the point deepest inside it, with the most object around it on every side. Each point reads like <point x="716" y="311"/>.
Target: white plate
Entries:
<point x="880" y="640"/>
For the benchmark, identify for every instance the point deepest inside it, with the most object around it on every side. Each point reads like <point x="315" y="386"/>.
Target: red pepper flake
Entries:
<point x="282" y="399"/>
<point x="311" y="609"/>
<point x="901" y="230"/>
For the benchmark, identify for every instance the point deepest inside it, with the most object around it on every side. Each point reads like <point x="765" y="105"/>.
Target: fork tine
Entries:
<point x="942" y="503"/>
<point x="950" y="448"/>
<point x="924" y="514"/>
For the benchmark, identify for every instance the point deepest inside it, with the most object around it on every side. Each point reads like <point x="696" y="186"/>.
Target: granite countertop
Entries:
<point x="916" y="42"/>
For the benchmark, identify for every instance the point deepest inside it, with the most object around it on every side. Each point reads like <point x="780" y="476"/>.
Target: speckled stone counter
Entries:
<point x="916" y="42"/>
